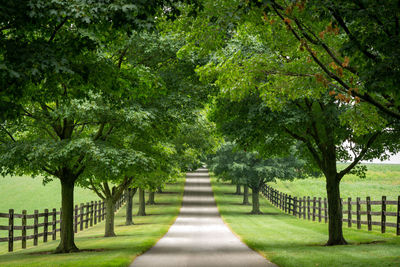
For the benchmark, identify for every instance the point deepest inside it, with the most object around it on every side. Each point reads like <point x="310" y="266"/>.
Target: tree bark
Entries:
<point x="238" y="191"/>
<point x="151" y="199"/>
<point x="67" y="244"/>
<point x="109" y="226"/>
<point x="255" y="200"/>
<point x="246" y="195"/>
<point x="142" y="203"/>
<point x="130" y="192"/>
<point x="335" y="212"/>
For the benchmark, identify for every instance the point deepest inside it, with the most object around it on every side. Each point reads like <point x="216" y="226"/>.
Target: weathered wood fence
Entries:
<point x="313" y="208"/>
<point x="85" y="216"/>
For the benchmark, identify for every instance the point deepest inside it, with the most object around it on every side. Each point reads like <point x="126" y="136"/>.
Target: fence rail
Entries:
<point x="313" y="208"/>
<point x="85" y="216"/>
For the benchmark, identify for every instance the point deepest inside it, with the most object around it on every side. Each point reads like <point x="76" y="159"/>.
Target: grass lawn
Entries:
<point x="288" y="241"/>
<point x="130" y="242"/>
<point x="381" y="180"/>
<point x="23" y="192"/>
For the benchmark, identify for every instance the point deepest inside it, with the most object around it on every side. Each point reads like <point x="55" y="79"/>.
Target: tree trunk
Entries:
<point x="255" y="200"/>
<point x="109" y="229"/>
<point x="142" y="203"/>
<point x="335" y="214"/>
<point x="238" y="191"/>
<point x="151" y="199"/>
<point x="246" y="195"/>
<point x="130" y="192"/>
<point x="67" y="243"/>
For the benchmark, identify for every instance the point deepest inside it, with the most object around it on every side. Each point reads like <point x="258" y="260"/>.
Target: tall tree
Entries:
<point x="304" y="123"/>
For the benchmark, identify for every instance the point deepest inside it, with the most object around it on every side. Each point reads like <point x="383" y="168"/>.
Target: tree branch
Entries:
<point x="312" y="150"/>
<point x="360" y="156"/>
<point x="93" y="187"/>
<point x="57" y="28"/>
<point x="8" y="133"/>
<point x="341" y="22"/>
<point x="99" y="132"/>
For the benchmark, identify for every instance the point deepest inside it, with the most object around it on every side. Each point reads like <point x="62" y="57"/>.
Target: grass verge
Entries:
<point x="130" y="242"/>
<point x="288" y="241"/>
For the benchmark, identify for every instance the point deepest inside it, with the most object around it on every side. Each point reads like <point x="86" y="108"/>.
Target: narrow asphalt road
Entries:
<point x="199" y="237"/>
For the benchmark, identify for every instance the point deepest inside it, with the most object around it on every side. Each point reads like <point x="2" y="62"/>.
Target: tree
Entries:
<point x="129" y="194"/>
<point x="253" y="170"/>
<point x="303" y="123"/>
<point x="61" y="87"/>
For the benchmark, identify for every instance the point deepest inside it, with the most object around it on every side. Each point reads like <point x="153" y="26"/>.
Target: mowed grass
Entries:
<point x="130" y="242"/>
<point x="288" y="241"/>
<point x="381" y="180"/>
<point x="24" y="192"/>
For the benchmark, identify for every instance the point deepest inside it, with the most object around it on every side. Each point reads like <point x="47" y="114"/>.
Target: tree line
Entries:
<point x="93" y="94"/>
<point x="314" y="79"/>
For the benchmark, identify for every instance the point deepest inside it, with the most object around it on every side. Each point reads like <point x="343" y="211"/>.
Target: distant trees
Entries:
<point x="252" y="170"/>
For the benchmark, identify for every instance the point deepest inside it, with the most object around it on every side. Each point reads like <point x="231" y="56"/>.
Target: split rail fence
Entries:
<point x="85" y="216"/>
<point x="313" y="208"/>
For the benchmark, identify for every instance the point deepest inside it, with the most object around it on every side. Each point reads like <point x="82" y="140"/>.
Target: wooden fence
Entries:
<point x="85" y="216"/>
<point x="313" y="208"/>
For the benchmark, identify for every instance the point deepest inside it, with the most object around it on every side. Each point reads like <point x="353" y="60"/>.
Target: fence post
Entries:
<point x="295" y="206"/>
<point x="54" y="228"/>
<point x="285" y="202"/>
<point x="81" y="217"/>
<point x="95" y="212"/>
<point x="383" y="215"/>
<point x="91" y="213"/>
<point x="10" y="230"/>
<point x="319" y="210"/>
<point x="87" y="215"/>
<point x="313" y="208"/>
<point x="349" y="217"/>
<point x="308" y="207"/>
<point x="369" y="221"/>
<point x="290" y="204"/>
<point x="300" y="207"/>
<point x="24" y="229"/>
<point x="100" y="212"/>
<point x="398" y="216"/>
<point x="325" y="210"/>
<point x="103" y="211"/>
<point x="358" y="213"/>
<point x="76" y="219"/>
<point x="35" y="227"/>
<point x="45" y="225"/>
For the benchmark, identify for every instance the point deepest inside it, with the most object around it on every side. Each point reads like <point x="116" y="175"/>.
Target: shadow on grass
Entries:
<point x="79" y="251"/>
<point x="169" y="193"/>
<point x="234" y="213"/>
<point x="164" y="203"/>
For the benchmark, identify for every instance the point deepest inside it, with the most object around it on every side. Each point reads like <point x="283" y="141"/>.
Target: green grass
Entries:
<point x="23" y="192"/>
<point x="381" y="180"/>
<point x="130" y="242"/>
<point x="288" y="241"/>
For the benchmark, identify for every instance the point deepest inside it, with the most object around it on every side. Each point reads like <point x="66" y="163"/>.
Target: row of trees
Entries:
<point x="94" y="95"/>
<point x="251" y="170"/>
<point x="320" y="76"/>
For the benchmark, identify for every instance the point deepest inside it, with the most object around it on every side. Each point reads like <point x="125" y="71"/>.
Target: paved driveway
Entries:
<point x="199" y="237"/>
